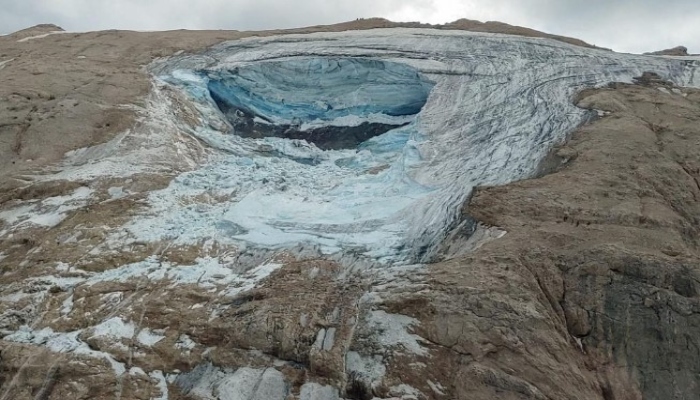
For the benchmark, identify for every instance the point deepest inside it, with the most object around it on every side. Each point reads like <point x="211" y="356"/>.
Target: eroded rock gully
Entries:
<point x="579" y="284"/>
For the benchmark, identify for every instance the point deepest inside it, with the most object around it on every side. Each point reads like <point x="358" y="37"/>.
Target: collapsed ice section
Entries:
<point x="332" y="102"/>
<point x="457" y="109"/>
<point x="322" y="89"/>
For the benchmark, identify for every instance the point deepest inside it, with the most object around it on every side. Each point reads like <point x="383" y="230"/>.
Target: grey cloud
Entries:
<point x="82" y="15"/>
<point x="624" y="25"/>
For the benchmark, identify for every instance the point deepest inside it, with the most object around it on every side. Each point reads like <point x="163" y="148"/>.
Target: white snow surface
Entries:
<point x="208" y="382"/>
<point x="498" y="104"/>
<point x="62" y="342"/>
<point x="185" y="343"/>
<point x="162" y="385"/>
<point x="46" y="213"/>
<point x="394" y="331"/>
<point x="206" y="272"/>
<point x="316" y="391"/>
<point x="148" y="337"/>
<point x="5" y="62"/>
<point x="115" y="328"/>
<point x="369" y="369"/>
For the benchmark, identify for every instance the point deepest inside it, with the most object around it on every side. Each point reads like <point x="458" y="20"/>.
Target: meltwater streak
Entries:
<point x="497" y="105"/>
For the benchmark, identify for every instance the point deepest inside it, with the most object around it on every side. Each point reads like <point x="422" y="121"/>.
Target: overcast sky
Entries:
<point x="623" y="25"/>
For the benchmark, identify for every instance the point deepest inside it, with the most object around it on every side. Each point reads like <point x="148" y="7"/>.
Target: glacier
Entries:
<point x="441" y="113"/>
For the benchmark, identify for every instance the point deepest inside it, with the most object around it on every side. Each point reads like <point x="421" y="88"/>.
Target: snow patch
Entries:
<point x="26" y="39"/>
<point x="208" y="272"/>
<point x="67" y="305"/>
<point x="436" y="387"/>
<point x="162" y="385"/>
<point x="46" y="213"/>
<point x="116" y="193"/>
<point x="369" y="370"/>
<point x="315" y="391"/>
<point x="185" y="343"/>
<point x="62" y="342"/>
<point x="148" y="338"/>
<point x="393" y="331"/>
<point x="209" y="382"/>
<point x="3" y="63"/>
<point x="114" y="328"/>
<point x="406" y="392"/>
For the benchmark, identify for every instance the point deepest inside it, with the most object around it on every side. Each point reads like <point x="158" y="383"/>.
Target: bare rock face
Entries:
<point x="577" y="280"/>
<point x="627" y="252"/>
<point x="675" y="51"/>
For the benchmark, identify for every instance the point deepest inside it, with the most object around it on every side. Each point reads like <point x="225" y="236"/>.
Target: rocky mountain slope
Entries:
<point x="675" y="51"/>
<point x="407" y="212"/>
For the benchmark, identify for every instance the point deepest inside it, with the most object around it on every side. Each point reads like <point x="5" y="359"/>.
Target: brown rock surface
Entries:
<point x="675" y="51"/>
<point x="591" y="294"/>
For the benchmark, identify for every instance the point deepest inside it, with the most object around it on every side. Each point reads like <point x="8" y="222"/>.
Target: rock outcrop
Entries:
<point x="35" y="32"/>
<point x="675" y="51"/>
<point x="148" y="252"/>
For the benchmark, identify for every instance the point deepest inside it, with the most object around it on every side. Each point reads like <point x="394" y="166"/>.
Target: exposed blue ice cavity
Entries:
<point x="309" y="89"/>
